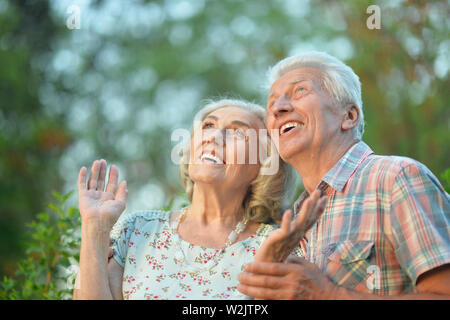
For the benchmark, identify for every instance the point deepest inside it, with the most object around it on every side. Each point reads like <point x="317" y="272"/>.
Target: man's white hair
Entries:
<point x="338" y="80"/>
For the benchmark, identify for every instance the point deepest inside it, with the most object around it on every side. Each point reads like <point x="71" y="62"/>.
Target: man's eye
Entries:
<point x="299" y="91"/>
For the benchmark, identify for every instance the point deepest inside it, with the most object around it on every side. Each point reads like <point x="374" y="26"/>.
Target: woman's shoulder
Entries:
<point x="147" y="215"/>
<point x="137" y="219"/>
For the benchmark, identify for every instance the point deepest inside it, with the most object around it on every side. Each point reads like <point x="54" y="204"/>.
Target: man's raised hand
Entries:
<point x="281" y="242"/>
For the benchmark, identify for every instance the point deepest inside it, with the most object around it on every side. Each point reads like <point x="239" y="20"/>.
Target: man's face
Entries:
<point x="302" y="114"/>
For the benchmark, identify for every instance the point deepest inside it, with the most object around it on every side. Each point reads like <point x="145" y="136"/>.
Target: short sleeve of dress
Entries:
<point x="123" y="230"/>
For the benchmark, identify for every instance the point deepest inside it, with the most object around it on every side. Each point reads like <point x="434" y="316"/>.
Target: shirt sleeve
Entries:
<point x="120" y="238"/>
<point x="420" y="210"/>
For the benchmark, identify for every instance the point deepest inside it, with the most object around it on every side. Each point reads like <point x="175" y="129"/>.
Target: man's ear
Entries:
<point x="351" y="117"/>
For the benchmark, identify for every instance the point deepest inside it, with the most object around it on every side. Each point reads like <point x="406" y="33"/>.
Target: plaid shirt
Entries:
<point x="385" y="224"/>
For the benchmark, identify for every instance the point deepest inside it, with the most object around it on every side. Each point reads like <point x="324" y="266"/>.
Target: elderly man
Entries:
<point x="385" y="229"/>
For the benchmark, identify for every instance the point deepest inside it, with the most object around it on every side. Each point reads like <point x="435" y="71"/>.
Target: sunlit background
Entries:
<point x="136" y="70"/>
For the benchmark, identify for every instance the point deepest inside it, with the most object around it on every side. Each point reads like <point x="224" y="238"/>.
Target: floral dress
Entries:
<point x="160" y="265"/>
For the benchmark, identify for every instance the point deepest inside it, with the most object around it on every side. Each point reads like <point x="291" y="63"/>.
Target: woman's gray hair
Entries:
<point x="339" y="81"/>
<point x="212" y="105"/>
<point x="264" y="197"/>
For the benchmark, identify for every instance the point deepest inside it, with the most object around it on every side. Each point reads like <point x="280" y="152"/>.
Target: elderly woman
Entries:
<point x="198" y="251"/>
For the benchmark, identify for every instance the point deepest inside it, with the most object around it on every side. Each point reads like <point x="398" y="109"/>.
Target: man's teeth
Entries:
<point x="289" y="125"/>
<point x="211" y="157"/>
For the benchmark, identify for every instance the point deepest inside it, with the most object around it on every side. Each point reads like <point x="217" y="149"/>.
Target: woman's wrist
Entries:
<point x="96" y="233"/>
<point x="96" y="223"/>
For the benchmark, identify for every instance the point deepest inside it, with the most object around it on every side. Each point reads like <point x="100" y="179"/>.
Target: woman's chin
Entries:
<point x="206" y="173"/>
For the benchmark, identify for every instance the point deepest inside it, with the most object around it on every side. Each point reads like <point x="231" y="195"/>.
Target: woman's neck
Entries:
<point x="213" y="206"/>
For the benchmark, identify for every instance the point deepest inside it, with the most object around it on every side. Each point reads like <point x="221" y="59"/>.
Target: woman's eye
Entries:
<point x="207" y="125"/>
<point x="239" y="133"/>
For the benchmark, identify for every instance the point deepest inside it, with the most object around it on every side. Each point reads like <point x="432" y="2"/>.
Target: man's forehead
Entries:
<point x="297" y="75"/>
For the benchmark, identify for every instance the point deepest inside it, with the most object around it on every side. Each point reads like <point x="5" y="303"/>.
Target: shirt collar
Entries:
<point x="338" y="176"/>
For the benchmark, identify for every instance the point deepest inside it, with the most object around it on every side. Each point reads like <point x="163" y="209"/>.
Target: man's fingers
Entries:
<point x="95" y="170"/>
<point x="286" y="221"/>
<point x="113" y="179"/>
<point x="267" y="268"/>
<point x="321" y="205"/>
<point x="295" y="259"/>
<point x="102" y="175"/>
<point x="317" y="211"/>
<point x="257" y="280"/>
<point x="82" y="179"/>
<point x="315" y="195"/>
<point x="260" y="293"/>
<point x="302" y="216"/>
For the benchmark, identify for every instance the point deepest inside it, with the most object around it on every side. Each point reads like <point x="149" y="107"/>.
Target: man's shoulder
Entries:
<point x="393" y="165"/>
<point x="384" y="172"/>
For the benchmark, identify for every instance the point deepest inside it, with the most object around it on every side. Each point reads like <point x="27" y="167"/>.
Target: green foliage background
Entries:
<point x="137" y="70"/>
<point x="52" y="248"/>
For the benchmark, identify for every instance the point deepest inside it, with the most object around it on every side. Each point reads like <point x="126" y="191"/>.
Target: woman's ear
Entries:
<point x="351" y="117"/>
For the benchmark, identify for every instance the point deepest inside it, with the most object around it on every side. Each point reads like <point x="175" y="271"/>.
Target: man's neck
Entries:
<point x="313" y="165"/>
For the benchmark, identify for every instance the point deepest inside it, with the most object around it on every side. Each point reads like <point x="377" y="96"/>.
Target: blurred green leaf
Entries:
<point x="445" y="176"/>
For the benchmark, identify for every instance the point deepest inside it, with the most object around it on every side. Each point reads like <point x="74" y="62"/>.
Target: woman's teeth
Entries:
<point x="211" y="157"/>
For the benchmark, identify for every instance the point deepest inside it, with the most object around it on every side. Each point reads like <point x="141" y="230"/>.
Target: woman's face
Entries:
<point x="225" y="147"/>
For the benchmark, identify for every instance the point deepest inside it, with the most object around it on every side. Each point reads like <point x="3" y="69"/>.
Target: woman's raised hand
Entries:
<point x="94" y="202"/>
<point x="281" y="242"/>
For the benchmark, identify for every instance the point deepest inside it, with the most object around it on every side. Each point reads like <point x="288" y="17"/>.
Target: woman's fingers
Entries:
<point x="97" y="179"/>
<point x="113" y="179"/>
<point x="93" y="179"/>
<point x="122" y="192"/>
<point x="82" y="179"/>
<point x="110" y="253"/>
<point x="102" y="175"/>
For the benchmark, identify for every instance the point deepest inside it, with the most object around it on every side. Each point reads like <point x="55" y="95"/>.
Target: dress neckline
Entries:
<point x="258" y="232"/>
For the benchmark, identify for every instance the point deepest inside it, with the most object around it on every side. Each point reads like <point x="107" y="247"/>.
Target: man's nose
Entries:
<point x="280" y="106"/>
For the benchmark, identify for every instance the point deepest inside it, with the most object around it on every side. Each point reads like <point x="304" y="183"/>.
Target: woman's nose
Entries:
<point x="214" y="136"/>
<point x="280" y="106"/>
